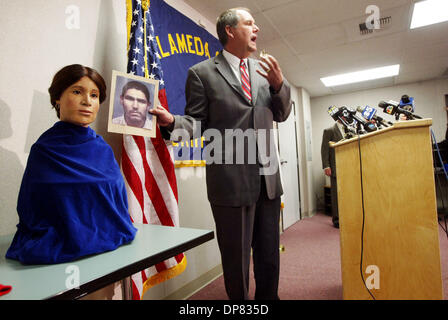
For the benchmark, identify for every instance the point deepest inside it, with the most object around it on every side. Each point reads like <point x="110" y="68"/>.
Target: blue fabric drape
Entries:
<point x="72" y="200"/>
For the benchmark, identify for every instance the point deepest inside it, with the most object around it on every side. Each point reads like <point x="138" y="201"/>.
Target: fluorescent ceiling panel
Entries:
<point x="359" y="76"/>
<point x="429" y="12"/>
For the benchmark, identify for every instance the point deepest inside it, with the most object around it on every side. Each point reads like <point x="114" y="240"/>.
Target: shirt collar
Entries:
<point x="233" y="60"/>
<point x="341" y="128"/>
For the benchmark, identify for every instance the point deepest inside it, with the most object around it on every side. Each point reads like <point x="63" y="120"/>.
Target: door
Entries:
<point x="287" y="144"/>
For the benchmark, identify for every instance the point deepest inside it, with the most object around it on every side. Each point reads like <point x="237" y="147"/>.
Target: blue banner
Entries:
<point x="182" y="43"/>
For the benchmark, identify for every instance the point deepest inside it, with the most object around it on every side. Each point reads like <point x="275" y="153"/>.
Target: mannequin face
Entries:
<point x="79" y="103"/>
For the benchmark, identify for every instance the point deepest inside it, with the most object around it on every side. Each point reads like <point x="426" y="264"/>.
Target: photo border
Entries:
<point x="123" y="129"/>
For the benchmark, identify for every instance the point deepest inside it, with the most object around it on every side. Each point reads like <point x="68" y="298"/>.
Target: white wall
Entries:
<point x="35" y="44"/>
<point x="308" y="142"/>
<point x="429" y="103"/>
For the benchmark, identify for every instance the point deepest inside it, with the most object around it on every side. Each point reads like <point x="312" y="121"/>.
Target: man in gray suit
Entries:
<point x="229" y="93"/>
<point x="334" y="133"/>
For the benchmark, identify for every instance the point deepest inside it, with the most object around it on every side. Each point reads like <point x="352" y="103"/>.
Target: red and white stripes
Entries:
<point x="245" y="81"/>
<point x="148" y="169"/>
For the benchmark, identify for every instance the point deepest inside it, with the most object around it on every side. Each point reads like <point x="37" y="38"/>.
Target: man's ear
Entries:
<point x="229" y="31"/>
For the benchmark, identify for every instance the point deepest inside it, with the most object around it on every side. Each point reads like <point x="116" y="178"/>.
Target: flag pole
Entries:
<point x="126" y="289"/>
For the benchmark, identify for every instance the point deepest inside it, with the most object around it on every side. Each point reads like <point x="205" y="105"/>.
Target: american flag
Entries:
<point x="148" y="163"/>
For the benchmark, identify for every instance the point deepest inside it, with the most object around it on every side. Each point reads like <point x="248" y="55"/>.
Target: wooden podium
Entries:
<point x="400" y="234"/>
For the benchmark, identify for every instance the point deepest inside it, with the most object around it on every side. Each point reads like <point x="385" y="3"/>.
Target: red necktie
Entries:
<point x="245" y="82"/>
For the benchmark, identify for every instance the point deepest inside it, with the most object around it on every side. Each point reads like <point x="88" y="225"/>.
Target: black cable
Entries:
<point x="363" y="219"/>
<point x="446" y="229"/>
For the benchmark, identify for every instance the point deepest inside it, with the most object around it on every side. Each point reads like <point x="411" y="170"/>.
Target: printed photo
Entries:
<point x="131" y="99"/>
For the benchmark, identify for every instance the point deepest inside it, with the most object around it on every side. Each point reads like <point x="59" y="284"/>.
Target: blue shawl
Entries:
<point x="72" y="200"/>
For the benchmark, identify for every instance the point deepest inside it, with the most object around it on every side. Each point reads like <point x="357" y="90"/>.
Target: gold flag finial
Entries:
<point x="145" y="5"/>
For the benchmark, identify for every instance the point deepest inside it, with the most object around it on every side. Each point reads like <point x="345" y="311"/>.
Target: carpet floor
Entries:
<point x="310" y="266"/>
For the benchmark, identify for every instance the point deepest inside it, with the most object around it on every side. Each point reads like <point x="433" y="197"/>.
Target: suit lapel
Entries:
<point x="225" y="70"/>
<point x="337" y="132"/>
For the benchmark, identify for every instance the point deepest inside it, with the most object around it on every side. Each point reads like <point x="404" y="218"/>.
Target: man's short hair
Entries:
<point x="138" y="86"/>
<point x="227" y="18"/>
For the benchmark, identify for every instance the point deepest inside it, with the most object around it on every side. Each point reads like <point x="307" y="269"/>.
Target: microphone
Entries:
<point x="369" y="113"/>
<point x="392" y="107"/>
<point x="407" y="103"/>
<point x="348" y="118"/>
<point x="334" y="112"/>
<point x="342" y="115"/>
<point x="364" y="126"/>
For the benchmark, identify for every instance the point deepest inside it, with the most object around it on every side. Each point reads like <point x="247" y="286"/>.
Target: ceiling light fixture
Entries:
<point x="359" y="76"/>
<point x="429" y="12"/>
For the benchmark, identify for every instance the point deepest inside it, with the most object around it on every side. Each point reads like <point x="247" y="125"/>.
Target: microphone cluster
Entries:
<point x="392" y="107"/>
<point x="353" y="124"/>
<point x="369" y="120"/>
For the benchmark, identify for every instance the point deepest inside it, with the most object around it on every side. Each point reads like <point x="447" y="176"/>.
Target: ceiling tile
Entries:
<point x="269" y="4"/>
<point x="423" y="53"/>
<point x="267" y="31"/>
<point x="431" y="69"/>
<point x="211" y="9"/>
<point x="427" y="36"/>
<point x="280" y="51"/>
<point x="355" y="56"/>
<point x="317" y="39"/>
<point x="398" y="22"/>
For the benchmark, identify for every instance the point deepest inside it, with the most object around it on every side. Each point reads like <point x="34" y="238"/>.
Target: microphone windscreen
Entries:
<point x="333" y="111"/>
<point x="383" y="104"/>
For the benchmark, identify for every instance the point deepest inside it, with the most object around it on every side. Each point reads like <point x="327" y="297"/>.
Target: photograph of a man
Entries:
<point x="133" y="97"/>
<point x="136" y="103"/>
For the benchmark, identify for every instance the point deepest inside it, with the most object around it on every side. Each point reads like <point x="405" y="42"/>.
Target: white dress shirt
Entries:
<point x="341" y="128"/>
<point x="234" y="63"/>
<point x="120" y="120"/>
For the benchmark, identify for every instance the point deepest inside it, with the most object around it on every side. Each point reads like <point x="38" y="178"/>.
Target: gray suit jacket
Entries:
<point x="215" y="98"/>
<point x="328" y="157"/>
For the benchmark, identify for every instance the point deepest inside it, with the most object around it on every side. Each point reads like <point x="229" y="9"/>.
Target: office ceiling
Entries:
<point x="318" y="38"/>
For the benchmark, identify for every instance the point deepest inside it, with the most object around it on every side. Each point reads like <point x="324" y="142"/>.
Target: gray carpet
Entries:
<point x="310" y="267"/>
